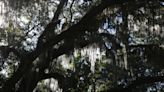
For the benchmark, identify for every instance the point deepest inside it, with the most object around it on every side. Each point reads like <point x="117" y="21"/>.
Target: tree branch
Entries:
<point x="42" y="46"/>
<point x="137" y="82"/>
<point x="26" y="62"/>
<point x="49" y="30"/>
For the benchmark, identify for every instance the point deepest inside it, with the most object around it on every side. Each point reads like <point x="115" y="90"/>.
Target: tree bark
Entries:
<point x="42" y="47"/>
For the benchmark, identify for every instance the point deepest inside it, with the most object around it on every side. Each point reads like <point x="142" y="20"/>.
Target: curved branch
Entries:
<point x="76" y="29"/>
<point x="26" y="62"/>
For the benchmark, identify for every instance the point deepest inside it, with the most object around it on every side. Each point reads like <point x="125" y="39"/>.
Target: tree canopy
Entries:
<point x="81" y="45"/>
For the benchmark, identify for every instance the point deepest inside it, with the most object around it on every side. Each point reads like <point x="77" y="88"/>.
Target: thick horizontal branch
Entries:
<point x="82" y="25"/>
<point x="76" y="29"/>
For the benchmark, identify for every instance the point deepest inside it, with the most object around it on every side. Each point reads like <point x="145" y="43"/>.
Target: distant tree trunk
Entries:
<point x="32" y="77"/>
<point x="125" y="35"/>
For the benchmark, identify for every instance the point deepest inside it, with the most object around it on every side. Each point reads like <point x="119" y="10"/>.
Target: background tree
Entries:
<point x="90" y="45"/>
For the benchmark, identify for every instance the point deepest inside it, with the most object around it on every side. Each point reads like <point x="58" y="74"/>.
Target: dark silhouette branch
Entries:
<point x="49" y="30"/>
<point x="26" y="62"/>
<point x="138" y="82"/>
<point x="71" y="32"/>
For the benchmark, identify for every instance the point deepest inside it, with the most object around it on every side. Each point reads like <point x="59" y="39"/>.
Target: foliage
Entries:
<point x="82" y="45"/>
